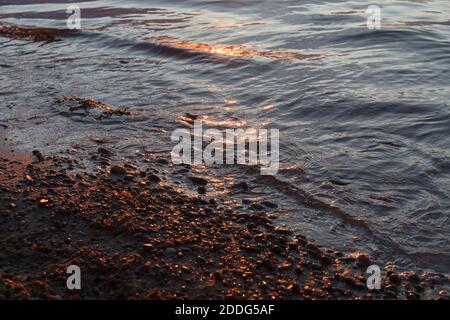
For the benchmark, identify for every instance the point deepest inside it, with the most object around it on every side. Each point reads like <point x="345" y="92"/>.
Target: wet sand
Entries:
<point x="136" y="237"/>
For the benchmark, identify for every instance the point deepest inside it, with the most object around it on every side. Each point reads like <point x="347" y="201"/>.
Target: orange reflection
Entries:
<point x="267" y="107"/>
<point x="239" y="51"/>
<point x="208" y="120"/>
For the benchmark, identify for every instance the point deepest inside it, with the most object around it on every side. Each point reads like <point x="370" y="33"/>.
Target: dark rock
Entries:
<point x="218" y="276"/>
<point x="104" y="151"/>
<point x="201" y="190"/>
<point x="301" y="239"/>
<point x="413" y="277"/>
<point x="363" y="260"/>
<point x="269" y="204"/>
<point x="295" y="288"/>
<point x="313" y="249"/>
<point x="326" y="260"/>
<point x="395" y="279"/>
<point x="118" y="170"/>
<point x="199" y="180"/>
<point x="410" y="295"/>
<point x="241" y="185"/>
<point x="256" y="206"/>
<point x="162" y="161"/>
<point x="39" y="156"/>
<point x="282" y="230"/>
<point x="153" y="178"/>
<point x="268" y="264"/>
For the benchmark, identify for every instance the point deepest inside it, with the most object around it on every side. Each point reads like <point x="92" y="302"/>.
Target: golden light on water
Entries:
<point x="238" y="51"/>
<point x="227" y="101"/>
<point x="210" y="121"/>
<point x="267" y="107"/>
<point x="230" y="123"/>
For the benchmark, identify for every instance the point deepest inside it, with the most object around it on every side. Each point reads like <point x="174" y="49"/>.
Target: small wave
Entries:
<point x="238" y="51"/>
<point x="310" y="201"/>
<point x="88" y="13"/>
<point x="389" y="35"/>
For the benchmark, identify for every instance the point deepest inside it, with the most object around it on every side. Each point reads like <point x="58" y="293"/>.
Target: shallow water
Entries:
<point x="363" y="114"/>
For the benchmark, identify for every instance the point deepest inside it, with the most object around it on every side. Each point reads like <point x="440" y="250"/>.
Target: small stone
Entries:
<point x="301" y="240"/>
<point x="395" y="279"/>
<point x="154" y="178"/>
<point x="39" y="156"/>
<point x="325" y="260"/>
<point x="201" y="190"/>
<point x="410" y="295"/>
<point x="364" y="260"/>
<point x="218" y="276"/>
<point x="118" y="170"/>
<point x="269" y="204"/>
<point x="104" y="151"/>
<point x="256" y="206"/>
<point x="443" y="293"/>
<point x="199" y="180"/>
<point x="268" y="265"/>
<point x="241" y="185"/>
<point x="313" y="249"/>
<point x="413" y="277"/>
<point x="162" y="161"/>
<point x="282" y="230"/>
<point x="130" y="166"/>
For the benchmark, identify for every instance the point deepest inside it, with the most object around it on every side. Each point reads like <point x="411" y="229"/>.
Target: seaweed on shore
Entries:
<point x="32" y="33"/>
<point x="89" y="105"/>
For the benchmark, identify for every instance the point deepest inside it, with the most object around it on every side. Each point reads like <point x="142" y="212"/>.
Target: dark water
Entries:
<point x="363" y="114"/>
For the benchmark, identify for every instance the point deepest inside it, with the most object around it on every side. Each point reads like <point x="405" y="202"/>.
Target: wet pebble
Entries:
<point x="201" y="190"/>
<point x="395" y="279"/>
<point x="118" y="170"/>
<point x="39" y="156"/>
<point x="313" y="249"/>
<point x="413" y="277"/>
<point x="269" y="204"/>
<point x="104" y="151"/>
<point x="153" y="178"/>
<point x="199" y="180"/>
<point x="241" y="185"/>
<point x="256" y="206"/>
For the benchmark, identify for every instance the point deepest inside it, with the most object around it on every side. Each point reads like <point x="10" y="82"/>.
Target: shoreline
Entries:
<point x="135" y="236"/>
